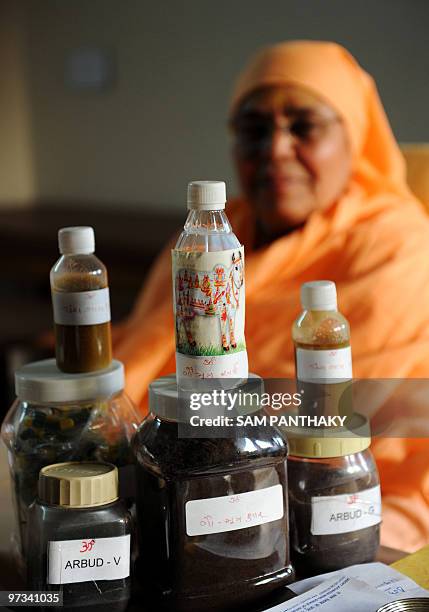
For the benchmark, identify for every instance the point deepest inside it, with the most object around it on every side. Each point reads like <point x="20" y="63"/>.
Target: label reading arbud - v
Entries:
<point x="88" y="560"/>
<point x="208" y="297"/>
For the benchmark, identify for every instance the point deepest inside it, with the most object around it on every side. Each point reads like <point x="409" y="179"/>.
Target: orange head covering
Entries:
<point x="368" y="242"/>
<point x="330" y="72"/>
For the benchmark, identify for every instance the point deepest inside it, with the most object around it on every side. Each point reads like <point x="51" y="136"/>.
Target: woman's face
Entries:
<point x="292" y="155"/>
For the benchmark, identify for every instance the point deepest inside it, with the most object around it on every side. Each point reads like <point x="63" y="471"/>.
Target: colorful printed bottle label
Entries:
<point x="81" y="307"/>
<point x="324" y="365"/>
<point x="209" y="307"/>
<point x="232" y="512"/>
<point x="90" y="559"/>
<point x="344" y="513"/>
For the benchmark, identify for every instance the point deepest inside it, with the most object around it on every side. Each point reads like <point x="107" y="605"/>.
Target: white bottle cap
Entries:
<point x="319" y="295"/>
<point x="76" y="240"/>
<point x="206" y="195"/>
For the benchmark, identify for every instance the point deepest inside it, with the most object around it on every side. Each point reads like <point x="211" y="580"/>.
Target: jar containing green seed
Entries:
<point x="61" y="417"/>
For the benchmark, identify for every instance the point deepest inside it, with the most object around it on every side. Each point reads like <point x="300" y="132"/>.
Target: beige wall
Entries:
<point x="160" y="125"/>
<point x="17" y="183"/>
<point x="163" y="122"/>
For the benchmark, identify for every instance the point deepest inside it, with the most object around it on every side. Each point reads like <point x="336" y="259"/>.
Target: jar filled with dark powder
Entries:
<point x="334" y="503"/>
<point x="212" y="512"/>
<point x="80" y="538"/>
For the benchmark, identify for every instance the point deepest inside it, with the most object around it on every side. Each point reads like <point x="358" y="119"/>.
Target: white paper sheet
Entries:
<point x="359" y="588"/>
<point x="341" y="593"/>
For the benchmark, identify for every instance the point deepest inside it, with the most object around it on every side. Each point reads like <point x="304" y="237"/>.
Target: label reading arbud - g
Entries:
<point x="325" y="365"/>
<point x="208" y="297"/>
<point x="344" y="513"/>
<point x="91" y="559"/>
<point x="81" y="307"/>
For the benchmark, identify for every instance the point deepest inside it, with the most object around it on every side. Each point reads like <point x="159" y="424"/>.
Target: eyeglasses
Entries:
<point x="254" y="131"/>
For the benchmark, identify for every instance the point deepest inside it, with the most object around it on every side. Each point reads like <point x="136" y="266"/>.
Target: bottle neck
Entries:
<point x="207" y="221"/>
<point x="79" y="254"/>
<point x="325" y="309"/>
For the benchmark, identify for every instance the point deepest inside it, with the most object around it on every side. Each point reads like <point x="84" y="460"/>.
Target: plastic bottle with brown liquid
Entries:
<point x="323" y="361"/>
<point x="81" y="304"/>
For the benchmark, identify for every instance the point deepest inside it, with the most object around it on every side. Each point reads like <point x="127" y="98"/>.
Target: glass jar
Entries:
<point x="80" y="541"/>
<point x="211" y="512"/>
<point x="334" y="503"/>
<point x="61" y="417"/>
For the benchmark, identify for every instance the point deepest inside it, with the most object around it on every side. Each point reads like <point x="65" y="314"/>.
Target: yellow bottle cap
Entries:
<point x="78" y="485"/>
<point x="331" y="441"/>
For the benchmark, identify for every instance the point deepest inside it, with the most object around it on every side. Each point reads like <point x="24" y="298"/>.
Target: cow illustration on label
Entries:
<point x="206" y="296"/>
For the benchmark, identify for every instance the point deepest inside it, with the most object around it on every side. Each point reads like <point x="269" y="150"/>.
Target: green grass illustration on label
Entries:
<point x="211" y="351"/>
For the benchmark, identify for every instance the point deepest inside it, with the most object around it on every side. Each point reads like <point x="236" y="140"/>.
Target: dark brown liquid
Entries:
<point x="82" y="348"/>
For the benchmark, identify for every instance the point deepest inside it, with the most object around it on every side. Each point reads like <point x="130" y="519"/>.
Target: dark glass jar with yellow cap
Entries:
<point x="80" y="537"/>
<point x="334" y="499"/>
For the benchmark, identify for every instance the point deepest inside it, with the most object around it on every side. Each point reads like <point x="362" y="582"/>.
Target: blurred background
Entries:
<point x="109" y="107"/>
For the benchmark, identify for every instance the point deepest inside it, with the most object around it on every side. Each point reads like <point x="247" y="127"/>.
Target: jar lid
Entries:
<point x="78" y="485"/>
<point x="329" y="442"/>
<point x="164" y="397"/>
<point x="42" y="381"/>
<point x="168" y="402"/>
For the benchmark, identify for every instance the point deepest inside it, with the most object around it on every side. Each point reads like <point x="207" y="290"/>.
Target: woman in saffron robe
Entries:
<point x="324" y="196"/>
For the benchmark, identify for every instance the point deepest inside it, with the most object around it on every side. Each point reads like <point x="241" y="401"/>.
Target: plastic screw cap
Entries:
<point x="78" y="485"/>
<point x="206" y="195"/>
<point x="319" y="295"/>
<point x="76" y="240"/>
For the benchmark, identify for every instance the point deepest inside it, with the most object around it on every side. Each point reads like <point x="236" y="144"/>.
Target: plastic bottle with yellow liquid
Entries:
<point x="323" y="357"/>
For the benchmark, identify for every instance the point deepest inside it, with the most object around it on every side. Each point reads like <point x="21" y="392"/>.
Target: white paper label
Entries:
<point x="331" y="366"/>
<point x="344" y="513"/>
<point x="223" y="366"/>
<point x="90" y="559"/>
<point x="81" y="307"/>
<point x="232" y="512"/>
<point x="208" y="298"/>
